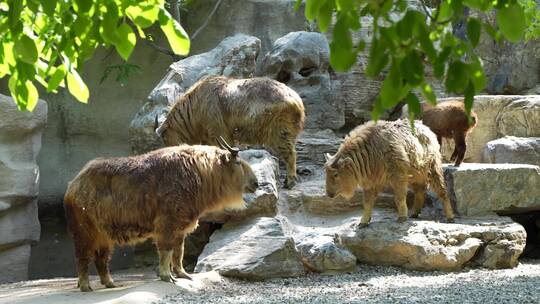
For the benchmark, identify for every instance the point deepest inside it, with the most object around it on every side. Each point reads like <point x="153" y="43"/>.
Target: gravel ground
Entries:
<point x="379" y="284"/>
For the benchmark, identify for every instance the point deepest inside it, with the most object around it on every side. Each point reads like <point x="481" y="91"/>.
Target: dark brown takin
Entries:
<point x="160" y="195"/>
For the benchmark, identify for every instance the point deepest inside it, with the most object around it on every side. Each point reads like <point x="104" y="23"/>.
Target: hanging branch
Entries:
<point x="206" y="21"/>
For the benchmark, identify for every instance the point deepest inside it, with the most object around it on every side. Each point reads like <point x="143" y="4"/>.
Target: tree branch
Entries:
<point x="206" y="21"/>
<point x="163" y="50"/>
<point x="175" y="9"/>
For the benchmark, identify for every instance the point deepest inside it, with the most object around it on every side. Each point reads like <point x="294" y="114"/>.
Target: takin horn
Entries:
<point x="224" y="145"/>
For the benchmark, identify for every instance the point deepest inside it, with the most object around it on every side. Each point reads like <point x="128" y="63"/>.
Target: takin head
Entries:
<point x="240" y="171"/>
<point x="340" y="176"/>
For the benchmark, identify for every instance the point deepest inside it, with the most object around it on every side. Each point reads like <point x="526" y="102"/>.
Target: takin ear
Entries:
<point x="345" y="162"/>
<point x="328" y="158"/>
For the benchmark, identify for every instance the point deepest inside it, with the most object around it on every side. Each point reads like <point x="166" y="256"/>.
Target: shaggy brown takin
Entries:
<point x="159" y="195"/>
<point x="257" y="111"/>
<point x="448" y="119"/>
<point x="388" y="153"/>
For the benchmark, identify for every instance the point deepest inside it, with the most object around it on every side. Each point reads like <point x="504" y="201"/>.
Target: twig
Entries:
<point x="206" y="21"/>
<point x="163" y="50"/>
<point x="426" y="10"/>
<point x="175" y="9"/>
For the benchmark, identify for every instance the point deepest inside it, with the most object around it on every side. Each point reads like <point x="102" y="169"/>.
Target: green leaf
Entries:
<point x="378" y="58"/>
<point x="82" y="26"/>
<point x="412" y="68"/>
<point x="33" y="95"/>
<point x="511" y="21"/>
<point x="82" y="6"/>
<point x="428" y="93"/>
<point x="445" y="11"/>
<point x="414" y="107"/>
<point x="48" y="7"/>
<point x="457" y="77"/>
<point x="56" y="78"/>
<point x="342" y="54"/>
<point x="23" y="92"/>
<point x="109" y="23"/>
<point x="177" y="37"/>
<point x="141" y="15"/>
<point x="77" y="87"/>
<point x="476" y="74"/>
<point x="297" y="5"/>
<point x="126" y="41"/>
<point x="439" y="66"/>
<point x="312" y="9"/>
<point x="391" y="87"/>
<point x="25" y="49"/>
<point x="474" y="27"/>
<point x="325" y="16"/>
<point x="469" y="98"/>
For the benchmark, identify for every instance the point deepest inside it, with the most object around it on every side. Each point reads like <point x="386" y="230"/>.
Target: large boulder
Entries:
<point x="301" y="60"/>
<point x="494" y="242"/>
<point x="480" y="189"/>
<point x="311" y="147"/>
<point x="234" y="56"/>
<point x="20" y="142"/>
<point x="263" y="201"/>
<point x="511" y="149"/>
<point x="256" y="249"/>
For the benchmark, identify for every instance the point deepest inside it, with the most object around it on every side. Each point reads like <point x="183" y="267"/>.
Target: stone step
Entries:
<point x="514" y="150"/>
<point x="480" y="189"/>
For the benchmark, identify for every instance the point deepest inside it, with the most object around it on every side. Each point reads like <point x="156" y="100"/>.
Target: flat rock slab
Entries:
<point x="263" y="201"/>
<point x="493" y="242"/>
<point x="514" y="150"/>
<point x="255" y="250"/>
<point x="480" y="189"/>
<point x="311" y="197"/>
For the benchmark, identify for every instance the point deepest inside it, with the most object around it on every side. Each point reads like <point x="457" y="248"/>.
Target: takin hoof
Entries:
<point x="414" y="215"/>
<point x="362" y="225"/>
<point x="109" y="285"/>
<point x="167" y="278"/>
<point x="85" y="288"/>
<point x="402" y="219"/>
<point x="182" y="274"/>
<point x="450" y="220"/>
<point x="290" y="183"/>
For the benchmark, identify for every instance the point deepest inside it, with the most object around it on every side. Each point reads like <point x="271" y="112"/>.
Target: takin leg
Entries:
<point x="368" y="200"/>
<point x="461" y="146"/>
<point x="287" y="153"/>
<point x="165" y="243"/>
<point x="419" y="197"/>
<point x="436" y="181"/>
<point x="82" y="270"/>
<point x="178" y="257"/>
<point x="400" y="197"/>
<point x="102" y="258"/>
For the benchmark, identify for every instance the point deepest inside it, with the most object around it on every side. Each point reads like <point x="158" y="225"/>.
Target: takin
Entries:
<point x="159" y="195"/>
<point x="388" y="153"/>
<point x="449" y="120"/>
<point x="256" y="111"/>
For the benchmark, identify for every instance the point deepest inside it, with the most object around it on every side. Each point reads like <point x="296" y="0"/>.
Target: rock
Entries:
<point x="254" y="250"/>
<point x="14" y="263"/>
<point x="511" y="149"/>
<point x="494" y="242"/>
<point x="234" y="56"/>
<point x="301" y="60"/>
<point x="498" y="116"/>
<point x="20" y="142"/>
<point x="324" y="253"/>
<point x="479" y="189"/>
<point x="511" y="68"/>
<point x="311" y="147"/>
<point x="263" y="201"/>
<point x="266" y="20"/>
<point x="311" y="197"/>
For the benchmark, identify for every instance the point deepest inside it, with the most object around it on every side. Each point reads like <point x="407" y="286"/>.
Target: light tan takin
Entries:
<point x="256" y="111"/>
<point x="388" y="153"/>
<point x="159" y="195"/>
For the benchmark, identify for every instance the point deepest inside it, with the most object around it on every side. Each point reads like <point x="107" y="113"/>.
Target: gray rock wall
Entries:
<point x="20" y="142"/>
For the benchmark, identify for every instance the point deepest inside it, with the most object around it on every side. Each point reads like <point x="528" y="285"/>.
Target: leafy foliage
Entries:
<point x="46" y="41"/>
<point x="404" y="40"/>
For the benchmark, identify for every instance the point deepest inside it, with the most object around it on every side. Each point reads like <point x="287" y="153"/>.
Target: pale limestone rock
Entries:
<point x="256" y="249"/>
<point x="511" y="149"/>
<point x="20" y="142"/>
<point x="301" y="61"/>
<point x="480" y="189"/>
